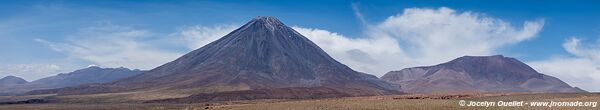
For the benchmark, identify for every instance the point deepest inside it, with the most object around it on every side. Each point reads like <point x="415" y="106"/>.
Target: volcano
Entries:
<point x="262" y="55"/>
<point x="477" y="74"/>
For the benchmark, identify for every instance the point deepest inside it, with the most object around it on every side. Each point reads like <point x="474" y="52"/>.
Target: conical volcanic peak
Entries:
<point x="266" y="23"/>
<point x="262" y="54"/>
<point x="268" y="20"/>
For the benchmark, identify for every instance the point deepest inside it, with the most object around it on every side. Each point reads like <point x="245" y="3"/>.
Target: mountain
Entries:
<point x="12" y="80"/>
<point x="477" y="74"/>
<point x="264" y="54"/>
<point x="88" y="75"/>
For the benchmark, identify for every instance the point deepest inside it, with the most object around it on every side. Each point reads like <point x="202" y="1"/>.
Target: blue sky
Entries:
<point x="43" y="38"/>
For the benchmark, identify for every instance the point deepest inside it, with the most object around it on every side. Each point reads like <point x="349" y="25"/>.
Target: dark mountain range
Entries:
<point x="477" y="74"/>
<point x="88" y="75"/>
<point x="263" y="55"/>
<point x="12" y="80"/>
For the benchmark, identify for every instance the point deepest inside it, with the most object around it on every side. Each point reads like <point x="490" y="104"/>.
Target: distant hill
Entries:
<point x="263" y="55"/>
<point x="477" y="74"/>
<point x="11" y="80"/>
<point x="88" y="75"/>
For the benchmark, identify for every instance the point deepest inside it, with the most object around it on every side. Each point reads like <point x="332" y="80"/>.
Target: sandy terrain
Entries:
<point x="413" y="101"/>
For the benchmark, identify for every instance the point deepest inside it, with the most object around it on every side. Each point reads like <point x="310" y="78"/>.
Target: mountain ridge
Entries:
<point x="87" y="75"/>
<point x="477" y="74"/>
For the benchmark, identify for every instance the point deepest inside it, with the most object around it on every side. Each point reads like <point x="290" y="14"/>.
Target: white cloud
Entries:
<point x="574" y="46"/>
<point x="437" y="35"/>
<point x="30" y="71"/>
<point x="581" y="70"/>
<point x="372" y="55"/>
<point x="358" y="14"/>
<point x="109" y="45"/>
<point x="198" y="36"/>
<point x="113" y="46"/>
<point x="421" y="36"/>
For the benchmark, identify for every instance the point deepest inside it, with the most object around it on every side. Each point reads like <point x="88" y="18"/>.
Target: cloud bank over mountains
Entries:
<point x="415" y="37"/>
<point x="420" y="37"/>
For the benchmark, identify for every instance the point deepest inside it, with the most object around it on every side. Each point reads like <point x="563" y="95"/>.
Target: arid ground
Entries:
<point x="397" y="102"/>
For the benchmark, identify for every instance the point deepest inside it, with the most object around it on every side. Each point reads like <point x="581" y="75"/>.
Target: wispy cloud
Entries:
<point x="581" y="68"/>
<point x="195" y="37"/>
<point x="31" y="71"/>
<point x="111" y="45"/>
<point x="358" y="14"/>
